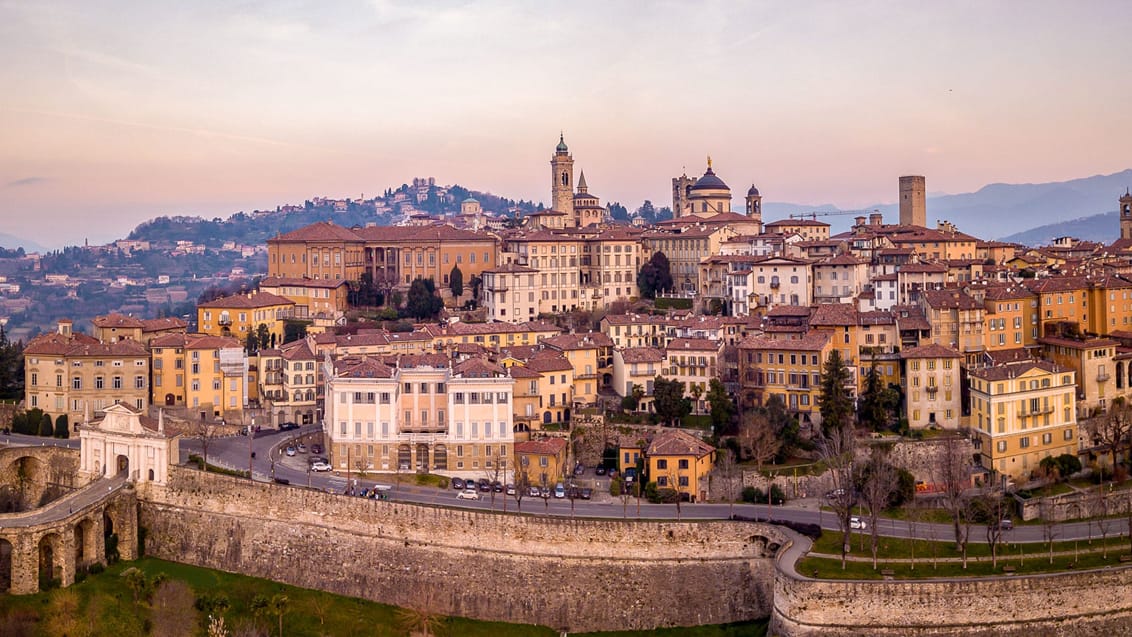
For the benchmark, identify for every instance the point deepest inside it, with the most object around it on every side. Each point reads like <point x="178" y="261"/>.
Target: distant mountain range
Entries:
<point x="997" y="211"/>
<point x="11" y="242"/>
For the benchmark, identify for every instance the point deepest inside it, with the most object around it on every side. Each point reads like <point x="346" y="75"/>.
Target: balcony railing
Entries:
<point x="1102" y="377"/>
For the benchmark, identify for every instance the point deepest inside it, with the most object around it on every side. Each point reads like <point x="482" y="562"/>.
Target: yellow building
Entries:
<point x="1061" y="299"/>
<point x="944" y="243"/>
<point x="637" y="366"/>
<point x="678" y="460"/>
<point x="543" y="461"/>
<point x="528" y="400"/>
<point x="933" y="396"/>
<point x="1022" y="412"/>
<point x="589" y="354"/>
<point x="1094" y="367"/>
<point x="1011" y="316"/>
<point x="556" y="385"/>
<point x="693" y="362"/>
<point x="788" y="368"/>
<point x="200" y="374"/>
<point x="957" y="321"/>
<point x="242" y="314"/>
<point x="635" y="330"/>
<point x="312" y="297"/>
<point x="497" y="334"/>
<point x="76" y="375"/>
<point x="807" y="229"/>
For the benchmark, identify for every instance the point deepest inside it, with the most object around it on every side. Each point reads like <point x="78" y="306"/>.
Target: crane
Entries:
<point x="831" y="213"/>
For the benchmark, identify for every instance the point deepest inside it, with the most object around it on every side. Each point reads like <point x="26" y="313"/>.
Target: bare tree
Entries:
<point x="757" y="439"/>
<point x="522" y="484"/>
<point x="1049" y="524"/>
<point x="877" y="486"/>
<point x="837" y="448"/>
<point x="205" y="431"/>
<point x="966" y="515"/>
<point x="726" y="471"/>
<point x="993" y="504"/>
<point x="492" y="474"/>
<point x="953" y="474"/>
<point x="1112" y="430"/>
<point x="1104" y="523"/>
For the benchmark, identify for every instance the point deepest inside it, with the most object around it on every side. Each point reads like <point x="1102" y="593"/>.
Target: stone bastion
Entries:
<point x="576" y="575"/>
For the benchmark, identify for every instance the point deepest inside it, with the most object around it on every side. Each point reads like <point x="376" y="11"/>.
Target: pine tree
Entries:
<point x="871" y="409"/>
<point x="456" y="281"/>
<point x="835" y="401"/>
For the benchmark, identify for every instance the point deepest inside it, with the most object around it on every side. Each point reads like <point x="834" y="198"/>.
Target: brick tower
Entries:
<point x="913" y="201"/>
<point x="562" y="179"/>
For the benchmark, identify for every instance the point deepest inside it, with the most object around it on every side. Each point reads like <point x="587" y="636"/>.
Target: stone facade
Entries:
<point x="467" y="563"/>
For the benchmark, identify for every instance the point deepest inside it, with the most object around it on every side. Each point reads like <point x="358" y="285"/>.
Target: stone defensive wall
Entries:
<point x="1089" y="603"/>
<point x="576" y="575"/>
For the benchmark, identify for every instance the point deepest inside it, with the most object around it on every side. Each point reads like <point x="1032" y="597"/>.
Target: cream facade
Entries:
<point x="933" y="395"/>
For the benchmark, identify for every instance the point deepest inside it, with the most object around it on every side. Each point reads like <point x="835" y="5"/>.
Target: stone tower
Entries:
<point x="562" y="179"/>
<point x="755" y="205"/>
<point x="681" y="186"/>
<point x="1126" y="215"/>
<point x="913" y="201"/>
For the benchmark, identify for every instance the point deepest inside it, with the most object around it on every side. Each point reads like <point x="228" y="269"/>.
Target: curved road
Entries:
<point x="234" y="452"/>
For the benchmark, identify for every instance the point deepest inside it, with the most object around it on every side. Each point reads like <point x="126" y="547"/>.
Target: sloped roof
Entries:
<point x="542" y="446"/>
<point x="678" y="443"/>
<point x="245" y="301"/>
<point x="642" y="355"/>
<point x="931" y="350"/>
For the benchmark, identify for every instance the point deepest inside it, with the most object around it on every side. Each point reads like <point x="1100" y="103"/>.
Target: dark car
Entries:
<point x="600" y="470"/>
<point x="587" y="493"/>
<point x="288" y="426"/>
<point x="579" y="469"/>
<point x="497" y="486"/>
<point x="484" y="485"/>
<point x="458" y="484"/>
<point x="1005" y="524"/>
<point x="316" y="448"/>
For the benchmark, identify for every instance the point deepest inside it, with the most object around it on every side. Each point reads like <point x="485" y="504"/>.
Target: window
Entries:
<point x="683" y="463"/>
<point x="117" y="382"/>
<point x="662" y="464"/>
<point x="1024" y="442"/>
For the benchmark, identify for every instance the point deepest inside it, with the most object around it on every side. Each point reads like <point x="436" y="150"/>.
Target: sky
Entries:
<point x="116" y="112"/>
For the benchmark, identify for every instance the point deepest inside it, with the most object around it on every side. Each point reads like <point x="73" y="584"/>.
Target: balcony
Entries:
<point x="497" y="287"/>
<point x="1102" y="376"/>
<point x="932" y="390"/>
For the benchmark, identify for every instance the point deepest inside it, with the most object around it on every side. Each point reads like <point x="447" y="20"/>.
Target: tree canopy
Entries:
<point x="835" y="401"/>
<point x="456" y="281"/>
<point x="423" y="302"/>
<point x="655" y="276"/>
<point x="669" y="401"/>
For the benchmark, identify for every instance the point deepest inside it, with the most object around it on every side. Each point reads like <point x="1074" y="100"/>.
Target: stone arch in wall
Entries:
<point x="86" y="542"/>
<point x="50" y="558"/>
<point x="5" y="565"/>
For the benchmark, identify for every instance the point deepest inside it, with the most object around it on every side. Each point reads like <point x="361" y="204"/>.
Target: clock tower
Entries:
<point x="1126" y="215"/>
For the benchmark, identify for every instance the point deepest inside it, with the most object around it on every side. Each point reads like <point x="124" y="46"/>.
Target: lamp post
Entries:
<point x="251" y="451"/>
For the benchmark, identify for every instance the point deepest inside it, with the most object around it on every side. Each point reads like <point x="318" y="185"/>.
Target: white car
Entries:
<point x="468" y="494"/>
<point x="320" y="466"/>
<point x="290" y="451"/>
<point x="857" y="523"/>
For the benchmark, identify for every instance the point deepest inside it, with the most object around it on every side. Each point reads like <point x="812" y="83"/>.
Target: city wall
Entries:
<point x="1089" y="603"/>
<point x="578" y="575"/>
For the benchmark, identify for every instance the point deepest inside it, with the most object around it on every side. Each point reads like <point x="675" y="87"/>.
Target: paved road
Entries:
<point x="233" y="452"/>
<point x="36" y="441"/>
<point x="68" y="504"/>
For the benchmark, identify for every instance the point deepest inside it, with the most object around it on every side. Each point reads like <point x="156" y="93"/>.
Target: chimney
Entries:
<point x="66" y="327"/>
<point x="876" y="219"/>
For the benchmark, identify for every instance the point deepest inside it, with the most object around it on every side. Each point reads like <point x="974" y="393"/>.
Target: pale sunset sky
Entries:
<point x="115" y="112"/>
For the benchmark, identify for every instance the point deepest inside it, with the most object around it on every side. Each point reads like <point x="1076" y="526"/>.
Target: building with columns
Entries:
<point x="124" y="440"/>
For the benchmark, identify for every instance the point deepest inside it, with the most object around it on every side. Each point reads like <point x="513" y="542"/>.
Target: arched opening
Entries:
<point x="109" y="538"/>
<point x="151" y="475"/>
<point x="85" y="552"/>
<point x="123" y="465"/>
<point x="440" y="458"/>
<point x="50" y="565"/>
<point x="404" y="457"/>
<point x="5" y="566"/>
<point x="1119" y="375"/>
<point x="546" y="417"/>
<point x="170" y="400"/>
<point x="422" y="457"/>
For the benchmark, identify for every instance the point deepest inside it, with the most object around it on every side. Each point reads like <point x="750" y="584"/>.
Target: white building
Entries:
<point x="125" y="441"/>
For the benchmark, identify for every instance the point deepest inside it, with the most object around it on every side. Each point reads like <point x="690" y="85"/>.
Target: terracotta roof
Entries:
<point x="950" y="299"/>
<point x="585" y="340"/>
<point x="796" y="222"/>
<point x="518" y="371"/>
<point x="922" y="268"/>
<point x="1013" y="370"/>
<point x="910" y="317"/>
<point x="834" y="314"/>
<point x="542" y="446"/>
<point x="116" y="321"/>
<point x="1078" y="343"/>
<point x="365" y="367"/>
<point x="642" y="355"/>
<point x="409" y="361"/>
<point x="678" y="443"/>
<point x="1057" y="284"/>
<point x="244" y="301"/>
<point x="164" y="324"/>
<point x="303" y="282"/>
<point x="195" y="341"/>
<point x="321" y="231"/>
<point x="697" y="344"/>
<point x="549" y="362"/>
<point x="478" y="368"/>
<point x="812" y="341"/>
<point x="297" y="350"/>
<point x="931" y="350"/>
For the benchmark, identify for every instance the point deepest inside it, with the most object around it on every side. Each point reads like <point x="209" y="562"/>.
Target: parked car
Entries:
<point x="559" y="491"/>
<point x="320" y="466"/>
<point x="510" y="489"/>
<point x="587" y="493"/>
<point x="468" y="494"/>
<point x="288" y="426"/>
<point x="1006" y="524"/>
<point x="497" y="486"/>
<point x="290" y="451"/>
<point x="857" y="523"/>
<point x="316" y="448"/>
<point x="484" y="485"/>
<point x="544" y="492"/>
<point x="630" y="475"/>
<point x="302" y="448"/>
<point x="600" y="470"/>
<point x="533" y="492"/>
<point x="458" y="484"/>
<point x="579" y="469"/>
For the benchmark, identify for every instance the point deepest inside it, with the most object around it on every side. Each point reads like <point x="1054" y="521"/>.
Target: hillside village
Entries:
<point x="461" y="343"/>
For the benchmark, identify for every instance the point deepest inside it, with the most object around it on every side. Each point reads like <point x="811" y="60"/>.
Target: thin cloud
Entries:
<point x="26" y="181"/>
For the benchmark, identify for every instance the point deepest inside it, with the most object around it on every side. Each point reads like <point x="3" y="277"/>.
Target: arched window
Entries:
<point x="565" y="178"/>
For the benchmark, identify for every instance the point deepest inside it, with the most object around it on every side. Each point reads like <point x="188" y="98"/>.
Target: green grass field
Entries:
<point x="103" y="605"/>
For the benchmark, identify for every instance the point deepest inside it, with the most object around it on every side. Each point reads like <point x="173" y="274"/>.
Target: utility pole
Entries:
<point x="251" y="451"/>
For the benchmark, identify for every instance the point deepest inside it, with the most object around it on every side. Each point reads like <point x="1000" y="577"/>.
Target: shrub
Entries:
<point x="752" y="494"/>
<point x="615" y="487"/>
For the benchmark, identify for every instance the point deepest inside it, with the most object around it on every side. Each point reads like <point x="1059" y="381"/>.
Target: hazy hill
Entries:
<point x="1000" y="210"/>
<point x="11" y="242"/>
<point x="1102" y="227"/>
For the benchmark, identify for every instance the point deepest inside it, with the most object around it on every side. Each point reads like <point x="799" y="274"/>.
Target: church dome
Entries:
<point x="561" y="145"/>
<point x="753" y="192"/>
<point x="709" y="182"/>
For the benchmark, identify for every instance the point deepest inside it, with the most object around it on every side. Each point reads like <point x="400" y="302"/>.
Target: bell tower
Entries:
<point x="1126" y="215"/>
<point x="562" y="179"/>
<point x="755" y="205"/>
